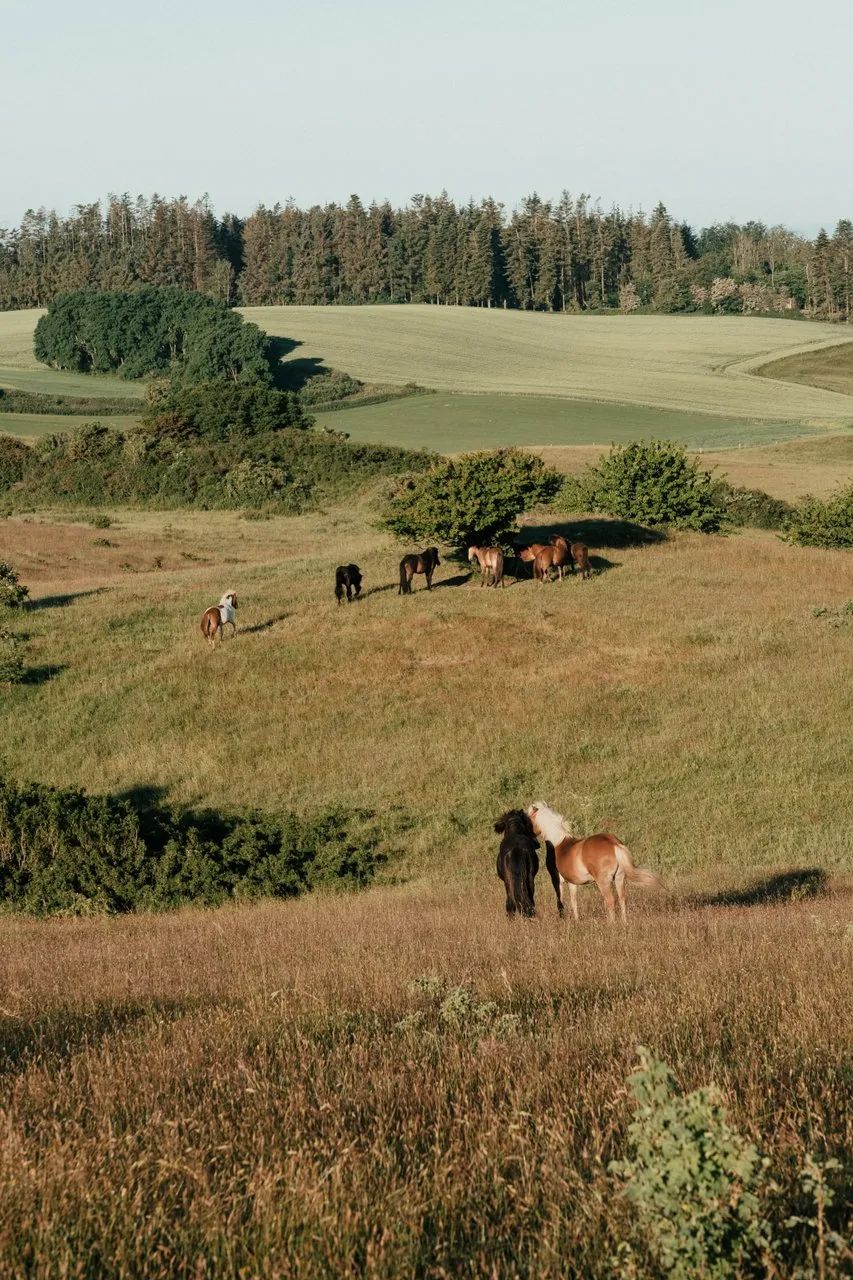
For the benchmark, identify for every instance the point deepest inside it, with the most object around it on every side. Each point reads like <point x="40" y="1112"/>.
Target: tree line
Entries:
<point x="564" y="255"/>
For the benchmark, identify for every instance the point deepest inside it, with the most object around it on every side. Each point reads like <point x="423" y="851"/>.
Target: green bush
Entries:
<point x="477" y="497"/>
<point x="14" y="455"/>
<point x="752" y="508"/>
<point x="154" y="330"/>
<point x="815" y="523"/>
<point x="220" y="411"/>
<point x="13" y="594"/>
<point x="62" y="850"/>
<point x="695" y="1183"/>
<point x="651" y="482"/>
<point x="286" y="471"/>
<point x="12" y="665"/>
<point x="329" y="387"/>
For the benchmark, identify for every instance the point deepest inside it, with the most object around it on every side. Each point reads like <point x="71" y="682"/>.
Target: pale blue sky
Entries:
<point x="721" y="108"/>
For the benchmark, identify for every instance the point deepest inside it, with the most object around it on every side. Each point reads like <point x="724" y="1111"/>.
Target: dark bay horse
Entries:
<point x="517" y="861"/>
<point x="424" y="562"/>
<point x="347" y="579"/>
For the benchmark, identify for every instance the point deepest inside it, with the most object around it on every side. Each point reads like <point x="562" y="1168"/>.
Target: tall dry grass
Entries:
<point x="231" y="1093"/>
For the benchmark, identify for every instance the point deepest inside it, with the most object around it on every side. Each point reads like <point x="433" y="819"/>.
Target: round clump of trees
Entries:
<point x="154" y="331"/>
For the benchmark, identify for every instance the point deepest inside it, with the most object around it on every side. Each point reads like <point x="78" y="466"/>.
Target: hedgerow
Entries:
<point x="818" y="523"/>
<point x="64" y="851"/>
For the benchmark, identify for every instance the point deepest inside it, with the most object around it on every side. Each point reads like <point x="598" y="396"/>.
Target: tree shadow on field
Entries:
<point x="55" y="1037"/>
<point x="595" y="531"/>
<point x="44" y="674"/>
<point x="785" y="886"/>
<point x="291" y="375"/>
<point x="60" y="602"/>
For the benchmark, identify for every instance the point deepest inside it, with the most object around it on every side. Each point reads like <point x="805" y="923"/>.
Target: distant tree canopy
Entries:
<point x="154" y="330"/>
<point x="563" y="255"/>
<point x="475" y="498"/>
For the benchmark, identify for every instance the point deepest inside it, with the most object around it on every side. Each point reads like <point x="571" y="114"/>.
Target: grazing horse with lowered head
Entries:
<point x="424" y="562"/>
<point x="219" y="616"/>
<point x="543" y="558"/>
<point x="517" y="861"/>
<point x="575" y="860"/>
<point x="491" y="562"/>
<point x="347" y="579"/>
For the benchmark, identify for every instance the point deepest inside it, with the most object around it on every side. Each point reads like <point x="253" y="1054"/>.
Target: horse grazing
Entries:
<point x="347" y="579"/>
<point x="577" y="554"/>
<point x="579" y="860"/>
<point x="219" y="616"/>
<point x="491" y="562"/>
<point x="517" y="861"/>
<point x="424" y="562"/>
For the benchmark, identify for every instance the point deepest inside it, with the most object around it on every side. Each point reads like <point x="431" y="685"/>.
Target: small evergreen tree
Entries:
<point x="13" y="593"/>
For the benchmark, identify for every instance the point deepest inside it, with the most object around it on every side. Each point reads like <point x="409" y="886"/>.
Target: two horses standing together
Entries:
<point x="570" y="860"/>
<point x="558" y="554"/>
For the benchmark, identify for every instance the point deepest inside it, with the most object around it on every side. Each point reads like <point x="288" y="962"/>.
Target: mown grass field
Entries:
<point x="693" y="364"/>
<point x="831" y="368"/>
<point x="453" y="423"/>
<point x="224" y="1093"/>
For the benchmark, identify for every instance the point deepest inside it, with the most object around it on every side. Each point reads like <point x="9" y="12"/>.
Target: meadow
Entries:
<point x="277" y="1089"/>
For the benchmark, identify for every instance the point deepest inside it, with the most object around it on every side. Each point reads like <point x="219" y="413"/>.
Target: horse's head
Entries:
<point x="230" y="599"/>
<point x="472" y="554"/>
<point x="532" y="813"/>
<point x="434" y="552"/>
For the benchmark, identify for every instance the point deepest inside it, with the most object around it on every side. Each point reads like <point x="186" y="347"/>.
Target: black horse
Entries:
<point x="347" y="578"/>
<point x="423" y="562"/>
<point x="517" y="861"/>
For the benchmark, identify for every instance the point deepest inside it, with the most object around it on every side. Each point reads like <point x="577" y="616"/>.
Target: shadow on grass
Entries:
<point x="291" y="375"/>
<point x="263" y="626"/>
<point x="785" y="886"/>
<point x="458" y="580"/>
<point x="595" y="532"/>
<point x="375" y="591"/>
<point x="57" y="1036"/>
<point x="42" y="675"/>
<point x="60" y="602"/>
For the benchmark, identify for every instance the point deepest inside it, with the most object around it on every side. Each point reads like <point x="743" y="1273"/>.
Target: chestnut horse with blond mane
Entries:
<point x="575" y="860"/>
<point x="491" y="562"/>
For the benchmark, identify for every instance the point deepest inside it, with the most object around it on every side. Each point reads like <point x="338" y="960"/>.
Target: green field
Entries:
<point x="31" y="425"/>
<point x="453" y="423"/>
<point x="698" y="364"/>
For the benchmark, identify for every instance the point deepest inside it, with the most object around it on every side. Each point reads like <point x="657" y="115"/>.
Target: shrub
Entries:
<point x="476" y="497"/>
<point x="815" y="523"/>
<point x="752" y="508"/>
<point x="220" y="411"/>
<point x="651" y="482"/>
<point x="153" y="330"/>
<point x="13" y="594"/>
<point x="100" y="522"/>
<point x="62" y="850"/>
<point x="14" y="455"/>
<point x="12" y="667"/>
<point x="328" y="387"/>
<point x="694" y="1182"/>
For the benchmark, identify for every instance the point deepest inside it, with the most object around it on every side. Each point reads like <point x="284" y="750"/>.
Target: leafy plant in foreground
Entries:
<point x="693" y="1180"/>
<point x="13" y="593"/>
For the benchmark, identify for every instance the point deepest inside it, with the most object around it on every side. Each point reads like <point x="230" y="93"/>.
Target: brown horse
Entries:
<point x="423" y="562"/>
<point x="578" y="556"/>
<point x="543" y="562"/>
<point x="571" y="860"/>
<point x="491" y="562"/>
<point x="562" y="554"/>
<point x="219" y="616"/>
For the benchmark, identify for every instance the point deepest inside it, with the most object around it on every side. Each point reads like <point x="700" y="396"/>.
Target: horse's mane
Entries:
<point x="554" y="820"/>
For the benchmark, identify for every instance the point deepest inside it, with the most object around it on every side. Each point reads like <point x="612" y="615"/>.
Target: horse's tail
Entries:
<point x="521" y="884"/>
<point x="636" y="875"/>
<point x="209" y="623"/>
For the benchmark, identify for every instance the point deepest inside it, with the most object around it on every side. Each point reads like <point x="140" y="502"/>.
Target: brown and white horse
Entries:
<point x="491" y="562"/>
<point x="573" y="861"/>
<point x="219" y="616"/>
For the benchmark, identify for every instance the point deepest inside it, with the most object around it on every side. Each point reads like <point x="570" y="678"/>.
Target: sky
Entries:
<point x="721" y="108"/>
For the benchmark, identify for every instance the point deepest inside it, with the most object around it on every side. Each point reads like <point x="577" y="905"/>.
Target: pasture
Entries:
<point x="689" y="364"/>
<point x="274" y="1089"/>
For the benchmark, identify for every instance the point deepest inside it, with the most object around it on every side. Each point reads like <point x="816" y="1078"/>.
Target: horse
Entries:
<point x="418" y="562"/>
<point x="577" y="554"/>
<point x="562" y="554"/>
<point x="517" y="861"/>
<point x="575" y="860"/>
<point x="219" y="616"/>
<point x="542" y="556"/>
<point x="491" y="562"/>
<point x="347" y="578"/>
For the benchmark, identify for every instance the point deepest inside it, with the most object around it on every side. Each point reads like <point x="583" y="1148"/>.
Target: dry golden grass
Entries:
<point x="229" y="1093"/>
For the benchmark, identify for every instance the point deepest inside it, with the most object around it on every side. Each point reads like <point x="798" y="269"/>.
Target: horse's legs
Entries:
<point x="551" y="866"/>
<point x="619" y="886"/>
<point x="429" y="580"/>
<point x="573" y="900"/>
<point x="605" y="888"/>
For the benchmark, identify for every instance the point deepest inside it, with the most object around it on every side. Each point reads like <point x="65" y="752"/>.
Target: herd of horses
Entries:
<point x="570" y="860"/>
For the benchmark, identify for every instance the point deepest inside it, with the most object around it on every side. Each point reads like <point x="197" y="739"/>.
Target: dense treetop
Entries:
<point x="152" y="330"/>
<point x="563" y="255"/>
